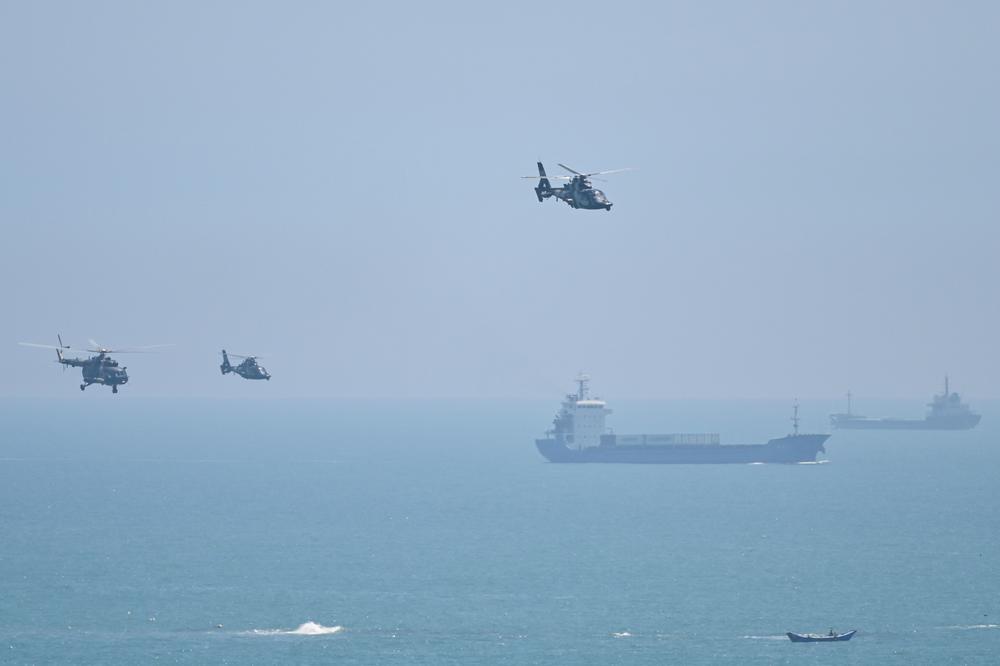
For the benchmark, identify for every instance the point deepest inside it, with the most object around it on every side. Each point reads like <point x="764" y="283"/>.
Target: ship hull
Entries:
<point x="906" y="424"/>
<point x="790" y="449"/>
<point x="820" y="638"/>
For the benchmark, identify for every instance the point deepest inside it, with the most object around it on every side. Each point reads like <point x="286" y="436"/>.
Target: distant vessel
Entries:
<point x="578" y="435"/>
<point x="820" y="638"/>
<point x="947" y="412"/>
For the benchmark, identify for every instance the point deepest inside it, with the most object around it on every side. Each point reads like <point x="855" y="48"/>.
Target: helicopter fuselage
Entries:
<point x="579" y="193"/>
<point x="100" y="369"/>
<point x="249" y="369"/>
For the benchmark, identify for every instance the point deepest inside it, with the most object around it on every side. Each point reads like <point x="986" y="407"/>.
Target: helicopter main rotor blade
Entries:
<point x="102" y="350"/>
<point x="98" y="350"/>
<point x="593" y="173"/>
<point x="148" y="349"/>
<point x="601" y="173"/>
<point x="32" y="344"/>
<point x="549" y="177"/>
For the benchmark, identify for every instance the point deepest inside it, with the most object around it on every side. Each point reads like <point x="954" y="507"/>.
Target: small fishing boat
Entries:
<point x="820" y="638"/>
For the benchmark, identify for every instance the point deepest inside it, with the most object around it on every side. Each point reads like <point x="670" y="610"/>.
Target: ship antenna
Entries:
<point x="848" y="403"/>
<point x="582" y="380"/>
<point x="946" y="393"/>
<point x="795" y="416"/>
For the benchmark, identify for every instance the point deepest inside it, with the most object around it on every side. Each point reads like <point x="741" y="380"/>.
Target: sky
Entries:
<point x="335" y="187"/>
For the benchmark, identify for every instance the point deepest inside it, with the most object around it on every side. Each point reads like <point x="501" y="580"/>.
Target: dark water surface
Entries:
<point x="432" y="532"/>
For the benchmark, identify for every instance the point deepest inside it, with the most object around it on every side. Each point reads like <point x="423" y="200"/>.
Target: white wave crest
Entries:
<point x="621" y="634"/>
<point x="304" y="629"/>
<point x="975" y="626"/>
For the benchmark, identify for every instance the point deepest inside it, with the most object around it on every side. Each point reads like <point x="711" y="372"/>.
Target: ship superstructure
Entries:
<point x="580" y="420"/>
<point x="945" y="412"/>
<point x="579" y="434"/>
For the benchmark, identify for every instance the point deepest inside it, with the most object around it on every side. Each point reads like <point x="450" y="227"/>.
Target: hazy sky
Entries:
<point x="335" y="186"/>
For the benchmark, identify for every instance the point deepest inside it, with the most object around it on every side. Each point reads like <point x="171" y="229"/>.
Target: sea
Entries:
<point x="140" y="530"/>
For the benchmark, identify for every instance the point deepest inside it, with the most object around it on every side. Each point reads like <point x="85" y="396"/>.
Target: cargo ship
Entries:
<point x="945" y="412"/>
<point x="578" y="435"/>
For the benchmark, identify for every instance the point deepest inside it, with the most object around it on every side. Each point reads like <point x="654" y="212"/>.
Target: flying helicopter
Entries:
<point x="579" y="192"/>
<point x="247" y="369"/>
<point x="99" y="369"/>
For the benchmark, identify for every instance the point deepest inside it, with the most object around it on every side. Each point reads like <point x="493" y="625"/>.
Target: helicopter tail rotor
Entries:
<point x="59" y="351"/>
<point x="544" y="189"/>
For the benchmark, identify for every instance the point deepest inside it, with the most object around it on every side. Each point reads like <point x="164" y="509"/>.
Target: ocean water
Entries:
<point x="431" y="532"/>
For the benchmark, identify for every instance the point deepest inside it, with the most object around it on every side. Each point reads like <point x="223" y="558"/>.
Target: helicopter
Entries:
<point x="248" y="369"/>
<point x="99" y="369"/>
<point x="579" y="192"/>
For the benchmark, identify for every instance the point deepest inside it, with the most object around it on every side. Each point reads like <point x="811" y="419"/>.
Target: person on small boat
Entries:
<point x="831" y="632"/>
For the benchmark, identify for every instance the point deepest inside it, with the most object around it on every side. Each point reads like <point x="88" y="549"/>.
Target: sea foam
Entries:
<point x="304" y="629"/>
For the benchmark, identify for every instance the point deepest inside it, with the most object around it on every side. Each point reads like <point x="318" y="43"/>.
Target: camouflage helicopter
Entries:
<point x="579" y="192"/>
<point x="248" y="369"/>
<point x="100" y="369"/>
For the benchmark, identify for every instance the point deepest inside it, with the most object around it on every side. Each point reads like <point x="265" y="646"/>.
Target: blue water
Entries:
<point x="431" y="532"/>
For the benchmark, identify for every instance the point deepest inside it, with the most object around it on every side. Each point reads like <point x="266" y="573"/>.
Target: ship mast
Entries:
<point x="795" y="417"/>
<point x="848" y="403"/>
<point x="582" y="380"/>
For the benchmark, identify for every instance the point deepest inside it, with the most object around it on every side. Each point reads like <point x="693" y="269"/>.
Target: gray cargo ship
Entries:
<point x="946" y="412"/>
<point x="578" y="435"/>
